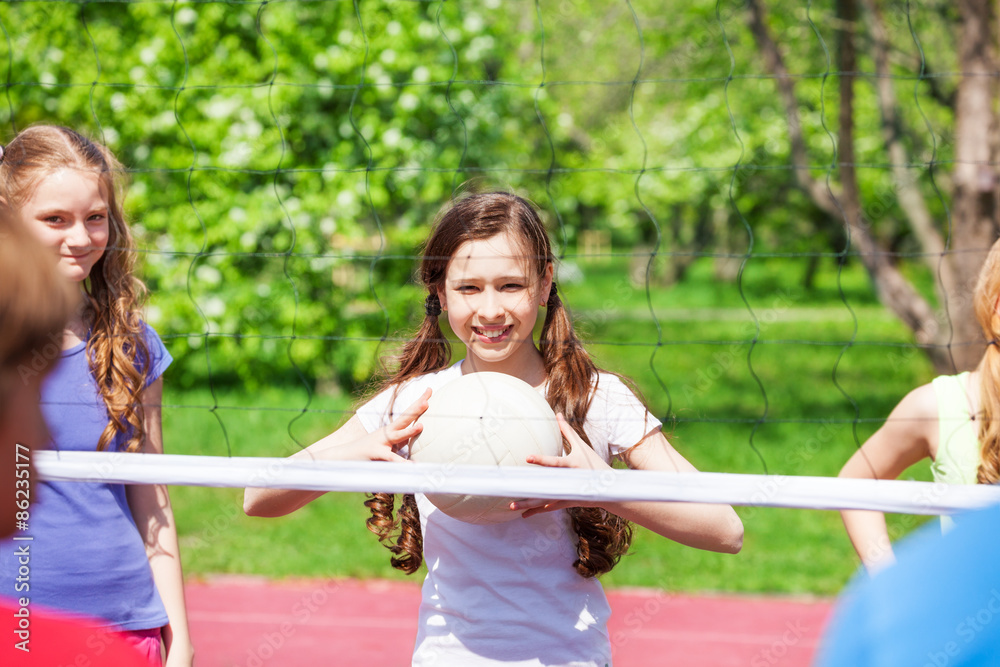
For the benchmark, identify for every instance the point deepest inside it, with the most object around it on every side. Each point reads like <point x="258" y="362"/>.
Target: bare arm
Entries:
<point x="150" y="506"/>
<point x="699" y="525"/>
<point x="350" y="442"/>
<point x="710" y="527"/>
<point x="908" y="436"/>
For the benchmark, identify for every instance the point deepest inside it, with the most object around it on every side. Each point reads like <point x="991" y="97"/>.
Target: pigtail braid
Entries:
<point x="985" y="296"/>
<point x="603" y="537"/>
<point x="411" y="539"/>
<point x="988" y="419"/>
<point x="381" y="521"/>
<point x="407" y="547"/>
<point x="426" y="352"/>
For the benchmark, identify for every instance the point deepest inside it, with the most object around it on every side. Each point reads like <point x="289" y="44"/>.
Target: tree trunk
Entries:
<point x="974" y="197"/>
<point x="809" y="276"/>
<point x="905" y="185"/>
<point x="725" y="266"/>
<point x="893" y="289"/>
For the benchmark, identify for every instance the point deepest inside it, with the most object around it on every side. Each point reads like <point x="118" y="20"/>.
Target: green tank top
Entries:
<point x="957" y="459"/>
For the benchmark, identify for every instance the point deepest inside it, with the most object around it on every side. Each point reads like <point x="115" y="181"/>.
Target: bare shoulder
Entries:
<point x="908" y="435"/>
<point x="917" y="415"/>
<point x="920" y="402"/>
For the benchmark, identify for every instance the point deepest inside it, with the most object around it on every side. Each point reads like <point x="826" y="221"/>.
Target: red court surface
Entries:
<point x="249" y="622"/>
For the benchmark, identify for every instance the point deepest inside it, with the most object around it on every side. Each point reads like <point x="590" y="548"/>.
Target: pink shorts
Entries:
<point x="146" y="642"/>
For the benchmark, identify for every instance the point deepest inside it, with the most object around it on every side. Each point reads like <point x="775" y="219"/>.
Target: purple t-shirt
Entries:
<point x="86" y="555"/>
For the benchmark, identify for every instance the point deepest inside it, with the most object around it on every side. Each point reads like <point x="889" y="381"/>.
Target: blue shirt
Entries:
<point x="86" y="555"/>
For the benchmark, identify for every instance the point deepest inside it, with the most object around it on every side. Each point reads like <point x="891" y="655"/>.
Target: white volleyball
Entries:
<point x="489" y="419"/>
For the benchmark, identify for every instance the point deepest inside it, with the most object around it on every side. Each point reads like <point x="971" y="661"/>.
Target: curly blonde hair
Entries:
<point x="116" y="348"/>
<point x="986" y="300"/>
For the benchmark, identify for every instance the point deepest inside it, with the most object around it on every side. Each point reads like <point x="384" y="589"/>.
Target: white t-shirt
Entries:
<point x="507" y="594"/>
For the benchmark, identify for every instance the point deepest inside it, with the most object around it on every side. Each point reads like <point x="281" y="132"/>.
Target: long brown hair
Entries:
<point x="603" y="537"/>
<point x="116" y="347"/>
<point x="987" y="296"/>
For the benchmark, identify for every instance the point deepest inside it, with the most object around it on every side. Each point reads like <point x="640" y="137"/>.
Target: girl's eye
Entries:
<point x="513" y="286"/>
<point x="53" y="219"/>
<point x="97" y="217"/>
<point x="466" y="289"/>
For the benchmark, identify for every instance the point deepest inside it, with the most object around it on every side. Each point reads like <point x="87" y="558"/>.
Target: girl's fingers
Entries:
<point x="408" y="432"/>
<point x="549" y="461"/>
<point x="399" y="433"/>
<point x="531" y="507"/>
<point x="417" y="408"/>
<point x="548" y="507"/>
<point x="400" y="423"/>
<point x="522" y="505"/>
<point x="404" y="427"/>
<point x="567" y="431"/>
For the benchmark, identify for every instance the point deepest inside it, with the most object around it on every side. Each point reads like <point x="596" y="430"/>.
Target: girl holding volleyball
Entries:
<point x="522" y="592"/>
<point x="954" y="420"/>
<point x="98" y="550"/>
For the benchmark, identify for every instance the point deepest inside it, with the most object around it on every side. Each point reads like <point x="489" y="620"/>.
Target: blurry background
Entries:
<point x="767" y="214"/>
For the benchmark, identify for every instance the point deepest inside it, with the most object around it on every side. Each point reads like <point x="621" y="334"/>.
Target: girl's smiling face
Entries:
<point x="492" y="297"/>
<point x="69" y="213"/>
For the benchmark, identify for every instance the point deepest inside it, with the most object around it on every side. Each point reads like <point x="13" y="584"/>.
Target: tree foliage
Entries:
<point x="287" y="158"/>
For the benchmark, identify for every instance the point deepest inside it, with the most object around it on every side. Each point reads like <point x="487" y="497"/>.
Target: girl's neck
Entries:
<point x="76" y="329"/>
<point x="529" y="366"/>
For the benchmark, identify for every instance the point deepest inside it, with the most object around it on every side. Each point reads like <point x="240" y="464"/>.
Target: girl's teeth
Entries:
<point x="493" y="333"/>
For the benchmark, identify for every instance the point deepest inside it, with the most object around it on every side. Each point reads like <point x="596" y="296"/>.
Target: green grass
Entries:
<point x="325" y="538"/>
<point x="802" y="423"/>
<point x="605" y="284"/>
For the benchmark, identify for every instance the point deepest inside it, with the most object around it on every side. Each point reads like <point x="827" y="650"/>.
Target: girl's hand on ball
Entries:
<point x="404" y="427"/>
<point x="579" y="456"/>
<point x="382" y="445"/>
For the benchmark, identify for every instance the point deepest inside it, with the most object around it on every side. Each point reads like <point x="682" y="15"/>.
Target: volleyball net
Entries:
<point x="516" y="482"/>
<point x="725" y="230"/>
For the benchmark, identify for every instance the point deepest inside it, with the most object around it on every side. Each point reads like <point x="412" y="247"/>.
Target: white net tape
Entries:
<point x="519" y="482"/>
